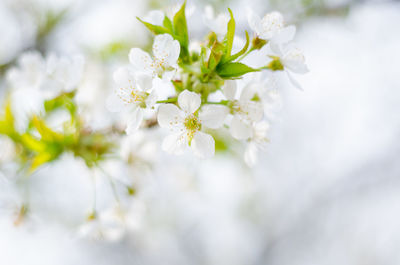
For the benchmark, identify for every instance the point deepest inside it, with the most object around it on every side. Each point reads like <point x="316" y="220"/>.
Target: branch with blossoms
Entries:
<point x="196" y="91"/>
<point x="188" y="78"/>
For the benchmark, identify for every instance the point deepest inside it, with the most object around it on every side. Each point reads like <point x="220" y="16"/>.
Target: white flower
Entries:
<point x="292" y="59"/>
<point x="271" y="27"/>
<point x="258" y="140"/>
<point x="35" y="79"/>
<point x="29" y="72"/>
<point x="246" y="110"/>
<point x="109" y="225"/>
<point x="136" y="91"/>
<point x="218" y="24"/>
<point x="186" y="123"/>
<point x="63" y="74"/>
<point x="166" y="53"/>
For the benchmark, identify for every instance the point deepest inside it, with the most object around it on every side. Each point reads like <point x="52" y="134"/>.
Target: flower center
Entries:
<point x="131" y="95"/>
<point x="192" y="125"/>
<point x="295" y="55"/>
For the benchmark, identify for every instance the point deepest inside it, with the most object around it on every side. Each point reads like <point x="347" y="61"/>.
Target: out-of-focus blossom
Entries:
<point x="218" y="23"/>
<point x="245" y="110"/>
<point x="257" y="141"/>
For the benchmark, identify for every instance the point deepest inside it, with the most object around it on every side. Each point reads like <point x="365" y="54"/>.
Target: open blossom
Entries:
<point x="246" y="110"/>
<point x="291" y="58"/>
<point x="63" y="73"/>
<point x="135" y="90"/>
<point x="186" y="124"/>
<point x="271" y="27"/>
<point x="165" y="56"/>
<point x="257" y="141"/>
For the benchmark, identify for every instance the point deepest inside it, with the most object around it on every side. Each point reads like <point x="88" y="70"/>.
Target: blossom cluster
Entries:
<point x="177" y="81"/>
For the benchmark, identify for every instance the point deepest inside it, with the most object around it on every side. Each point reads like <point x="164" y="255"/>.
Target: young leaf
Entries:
<point x="47" y="134"/>
<point x="40" y="159"/>
<point x="230" y="34"/>
<point x="232" y="70"/>
<point x="180" y="27"/>
<point x="167" y="23"/>
<point x="215" y="55"/>
<point x="32" y="143"/>
<point x="155" y="29"/>
<point x="241" y="52"/>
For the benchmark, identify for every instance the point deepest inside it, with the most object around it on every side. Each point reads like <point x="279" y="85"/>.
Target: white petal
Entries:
<point x="169" y="116"/>
<point x="213" y="116"/>
<point x="294" y="81"/>
<point x="155" y="17"/>
<point x="239" y="129"/>
<point x="203" y="145"/>
<point x="251" y="110"/>
<point x="144" y="81"/>
<point x="168" y="75"/>
<point x="175" y="143"/>
<point x="140" y="60"/>
<point x="164" y="89"/>
<point x="285" y="35"/>
<point x="151" y="99"/>
<point x="254" y="21"/>
<point x="249" y="91"/>
<point x="166" y="49"/>
<point x="229" y="89"/>
<point x="251" y="154"/>
<point x="189" y="101"/>
<point x="123" y="77"/>
<point x="134" y="121"/>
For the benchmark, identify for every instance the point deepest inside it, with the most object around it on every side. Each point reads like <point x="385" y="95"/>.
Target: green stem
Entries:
<point x="247" y="53"/>
<point x="222" y="102"/>
<point x="170" y="100"/>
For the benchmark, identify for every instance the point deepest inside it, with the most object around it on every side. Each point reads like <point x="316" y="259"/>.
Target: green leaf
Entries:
<point x="215" y="55"/>
<point x="7" y="124"/>
<point x="232" y="70"/>
<point x="155" y="29"/>
<point x="167" y="23"/>
<point x="230" y="34"/>
<point x="40" y="159"/>
<point x="32" y="143"/>
<point x="180" y="27"/>
<point x="47" y="134"/>
<point x="62" y="101"/>
<point x="241" y="52"/>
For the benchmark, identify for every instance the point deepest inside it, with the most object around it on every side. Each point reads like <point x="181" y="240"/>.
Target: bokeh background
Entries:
<point x="326" y="190"/>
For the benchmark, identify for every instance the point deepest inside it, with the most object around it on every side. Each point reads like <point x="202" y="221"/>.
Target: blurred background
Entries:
<point x="326" y="189"/>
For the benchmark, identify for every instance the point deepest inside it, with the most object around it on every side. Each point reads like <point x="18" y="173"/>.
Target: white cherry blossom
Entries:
<point x="165" y="56"/>
<point x="186" y="124"/>
<point x="257" y="141"/>
<point x="246" y="110"/>
<point x="35" y="79"/>
<point x="135" y="91"/>
<point x="271" y="27"/>
<point x="292" y="59"/>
